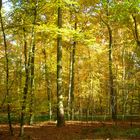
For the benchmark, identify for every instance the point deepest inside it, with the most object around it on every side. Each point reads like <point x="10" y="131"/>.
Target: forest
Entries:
<point x="69" y="69"/>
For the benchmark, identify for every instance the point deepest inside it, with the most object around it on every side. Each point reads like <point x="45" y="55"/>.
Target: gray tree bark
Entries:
<point x="26" y="86"/>
<point x="32" y="65"/>
<point x="112" y="92"/>
<point x="71" y="80"/>
<point x="48" y="84"/>
<point x="60" y="108"/>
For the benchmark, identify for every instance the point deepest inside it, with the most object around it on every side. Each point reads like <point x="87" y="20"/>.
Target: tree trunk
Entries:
<point x="71" y="75"/>
<point x="136" y="33"/>
<point x="124" y="90"/>
<point x="26" y="86"/>
<point x="60" y="108"/>
<point x="47" y="81"/>
<point x="137" y="40"/>
<point x="111" y="83"/>
<point x="110" y="59"/>
<point x="32" y="86"/>
<point x="7" y="72"/>
<point x="71" y="82"/>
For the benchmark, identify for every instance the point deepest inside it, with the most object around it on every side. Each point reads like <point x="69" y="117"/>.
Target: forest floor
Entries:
<point x="76" y="131"/>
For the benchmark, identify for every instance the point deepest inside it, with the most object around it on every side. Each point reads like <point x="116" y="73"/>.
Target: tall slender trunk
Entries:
<point x="136" y="33"/>
<point x="31" y="108"/>
<point x="110" y="59"/>
<point x="26" y="86"/>
<point x="7" y="72"/>
<point x="32" y="64"/>
<point x="132" y="104"/>
<point x="137" y="39"/>
<point x="60" y="108"/>
<point x="47" y="80"/>
<point x="124" y="91"/>
<point x="111" y="83"/>
<point x="71" y="82"/>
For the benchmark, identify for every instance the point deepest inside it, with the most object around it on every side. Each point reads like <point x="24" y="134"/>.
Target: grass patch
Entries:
<point x="133" y="132"/>
<point x="115" y="132"/>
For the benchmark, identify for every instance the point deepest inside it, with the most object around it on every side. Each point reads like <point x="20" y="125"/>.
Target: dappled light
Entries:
<point x="69" y="69"/>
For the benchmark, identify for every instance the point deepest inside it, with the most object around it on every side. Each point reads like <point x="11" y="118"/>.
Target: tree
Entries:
<point x="32" y="63"/>
<point x="26" y="86"/>
<point x="110" y="60"/>
<point x="7" y="70"/>
<point x="47" y="84"/>
<point x="60" y="109"/>
<point x="72" y="72"/>
<point x="100" y="59"/>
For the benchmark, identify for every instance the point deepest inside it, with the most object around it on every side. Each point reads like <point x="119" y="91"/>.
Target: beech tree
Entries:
<point x="110" y="61"/>
<point x="97" y="75"/>
<point x="7" y="86"/>
<point x="60" y="108"/>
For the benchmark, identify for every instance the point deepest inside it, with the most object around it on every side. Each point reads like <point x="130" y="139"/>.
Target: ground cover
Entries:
<point x="76" y="131"/>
